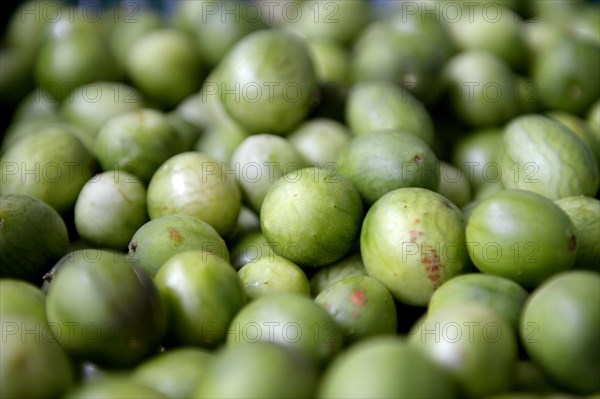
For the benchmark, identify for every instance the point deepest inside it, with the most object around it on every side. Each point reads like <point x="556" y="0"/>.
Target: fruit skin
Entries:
<point x="29" y="352"/>
<point x="51" y="165"/>
<point x="291" y="320"/>
<point x="475" y="152"/>
<point x="313" y="217"/>
<point x="320" y="140"/>
<point x="249" y="248"/>
<point x="384" y="367"/>
<point x="522" y="236"/>
<point x="159" y="239"/>
<point x="267" y="81"/>
<point x="472" y="343"/>
<point x="105" y="309"/>
<point x="195" y="184"/>
<point x="541" y="155"/>
<point x="259" y="370"/>
<point x="498" y="293"/>
<point x="382" y="161"/>
<point x="361" y="305"/>
<point x="21" y="298"/>
<point x="349" y="266"/>
<point x="175" y="372"/>
<point x="112" y="387"/>
<point x="585" y="215"/>
<point x="559" y="329"/>
<point x="32" y="237"/>
<point x="272" y="274"/>
<point x="413" y="240"/>
<point x="202" y="294"/>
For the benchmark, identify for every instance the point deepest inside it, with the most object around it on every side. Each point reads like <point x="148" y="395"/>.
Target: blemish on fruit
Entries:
<point x="358" y="297"/>
<point x="133" y="246"/>
<point x="432" y="267"/>
<point x="572" y="243"/>
<point x="417" y="221"/>
<point x="175" y="235"/>
<point x="414" y="234"/>
<point x="418" y="160"/>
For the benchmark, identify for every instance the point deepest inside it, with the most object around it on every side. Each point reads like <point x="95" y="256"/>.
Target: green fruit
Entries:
<point x="16" y="131"/>
<point x="349" y="266"/>
<point x="559" y="330"/>
<point x="266" y="81"/>
<point x="131" y="23"/>
<point x="273" y="274"/>
<point x="472" y="343"/>
<point x="475" y="154"/>
<point x="529" y="377"/>
<point x="566" y="75"/>
<point x="110" y="207"/>
<point x="250" y="248"/>
<point x="384" y="367"/>
<point x="105" y="309"/>
<point x="331" y="61"/>
<point x="247" y="222"/>
<point x="32" y="237"/>
<point x="51" y="166"/>
<point x="580" y="128"/>
<point x="454" y="184"/>
<point x="541" y="155"/>
<point x="93" y="104"/>
<point x="500" y="294"/>
<point x="22" y="299"/>
<point x="29" y="352"/>
<point x="379" y="105"/>
<point x="413" y="240"/>
<point x="161" y="238"/>
<point x="165" y="66"/>
<point x="202" y="294"/>
<point x="481" y="88"/>
<point x="176" y="372"/>
<point x="186" y="130"/>
<point x="259" y="161"/>
<point x="361" y="305"/>
<point x="593" y="120"/>
<point x="379" y="162"/>
<point x="291" y="320"/>
<point x="137" y="142"/>
<point x="585" y="215"/>
<point x="112" y="387"/>
<point x="311" y="217"/>
<point x="522" y="236"/>
<point x="195" y="184"/>
<point x="320" y="140"/>
<point x="220" y="140"/>
<point x="258" y="370"/>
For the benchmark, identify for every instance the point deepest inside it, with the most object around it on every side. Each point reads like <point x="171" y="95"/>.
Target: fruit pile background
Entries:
<point x="293" y="198"/>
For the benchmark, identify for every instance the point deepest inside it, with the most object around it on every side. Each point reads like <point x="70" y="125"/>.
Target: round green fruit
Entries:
<point x="112" y="387"/>
<point x="349" y="266"/>
<point x="320" y="140"/>
<point x="22" y="299"/>
<point x="272" y="274"/>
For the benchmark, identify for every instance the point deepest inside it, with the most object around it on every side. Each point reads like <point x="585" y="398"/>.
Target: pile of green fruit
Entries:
<point x="296" y="199"/>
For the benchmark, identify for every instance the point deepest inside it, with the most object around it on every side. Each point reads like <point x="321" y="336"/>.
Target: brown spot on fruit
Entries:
<point x="418" y="160"/>
<point x="572" y="243"/>
<point x="358" y="297"/>
<point x="417" y="221"/>
<point x="431" y="260"/>
<point x="175" y="235"/>
<point x="414" y="234"/>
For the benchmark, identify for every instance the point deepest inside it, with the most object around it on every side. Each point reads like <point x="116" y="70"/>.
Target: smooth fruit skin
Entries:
<point x="272" y="274"/>
<point x="202" y="294"/>
<point x="267" y="81"/>
<point x="32" y="237"/>
<point x="259" y="370"/>
<point x="159" y="239"/>
<point x="539" y="154"/>
<point x="22" y="298"/>
<point x="384" y="367"/>
<point x="311" y="217"/>
<point x="112" y="387"/>
<point x="320" y="140"/>
<point x="105" y="309"/>
<point x="560" y="326"/>
<point x="361" y="305"/>
<point x="522" y="236"/>
<point x="349" y="266"/>
<point x="413" y="240"/>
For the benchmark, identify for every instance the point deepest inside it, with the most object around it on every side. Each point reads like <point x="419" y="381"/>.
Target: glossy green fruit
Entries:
<point x="472" y="343"/>
<point x="320" y="140"/>
<point x="331" y="61"/>
<point x="522" y="236"/>
<point x="379" y="105"/>
<point x="476" y="152"/>
<point x="585" y="215"/>
<point x="361" y="305"/>
<point x="112" y="387"/>
<point x="273" y="274"/>
<point x="202" y="294"/>
<point x="454" y="184"/>
<point x="22" y="299"/>
<point x="267" y="81"/>
<point x="161" y="238"/>
<point x="29" y="352"/>
<point x="541" y="155"/>
<point x="110" y="207"/>
<point x="195" y="184"/>
<point x="311" y="217"/>
<point x="32" y="237"/>
<point x="175" y="372"/>
<point x="51" y="166"/>
<point x="259" y="370"/>
<point x="413" y="240"/>
<point x="291" y="320"/>
<point x="500" y="294"/>
<point x="580" y="128"/>
<point x="250" y="248"/>
<point x="382" y="161"/>
<point x="349" y="266"/>
<point x="105" y="309"/>
<point x="560" y="327"/>
<point x="384" y="367"/>
<point x="130" y="24"/>
<point x="220" y="140"/>
<point x="29" y="126"/>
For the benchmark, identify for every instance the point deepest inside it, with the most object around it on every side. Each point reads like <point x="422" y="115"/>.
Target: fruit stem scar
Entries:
<point x="572" y="243"/>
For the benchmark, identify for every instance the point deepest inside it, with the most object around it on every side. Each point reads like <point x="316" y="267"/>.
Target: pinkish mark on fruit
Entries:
<point x="432" y="267"/>
<point x="572" y="243"/>
<point x="417" y="221"/>
<point x="175" y="235"/>
<point x="414" y="234"/>
<point x="358" y="297"/>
